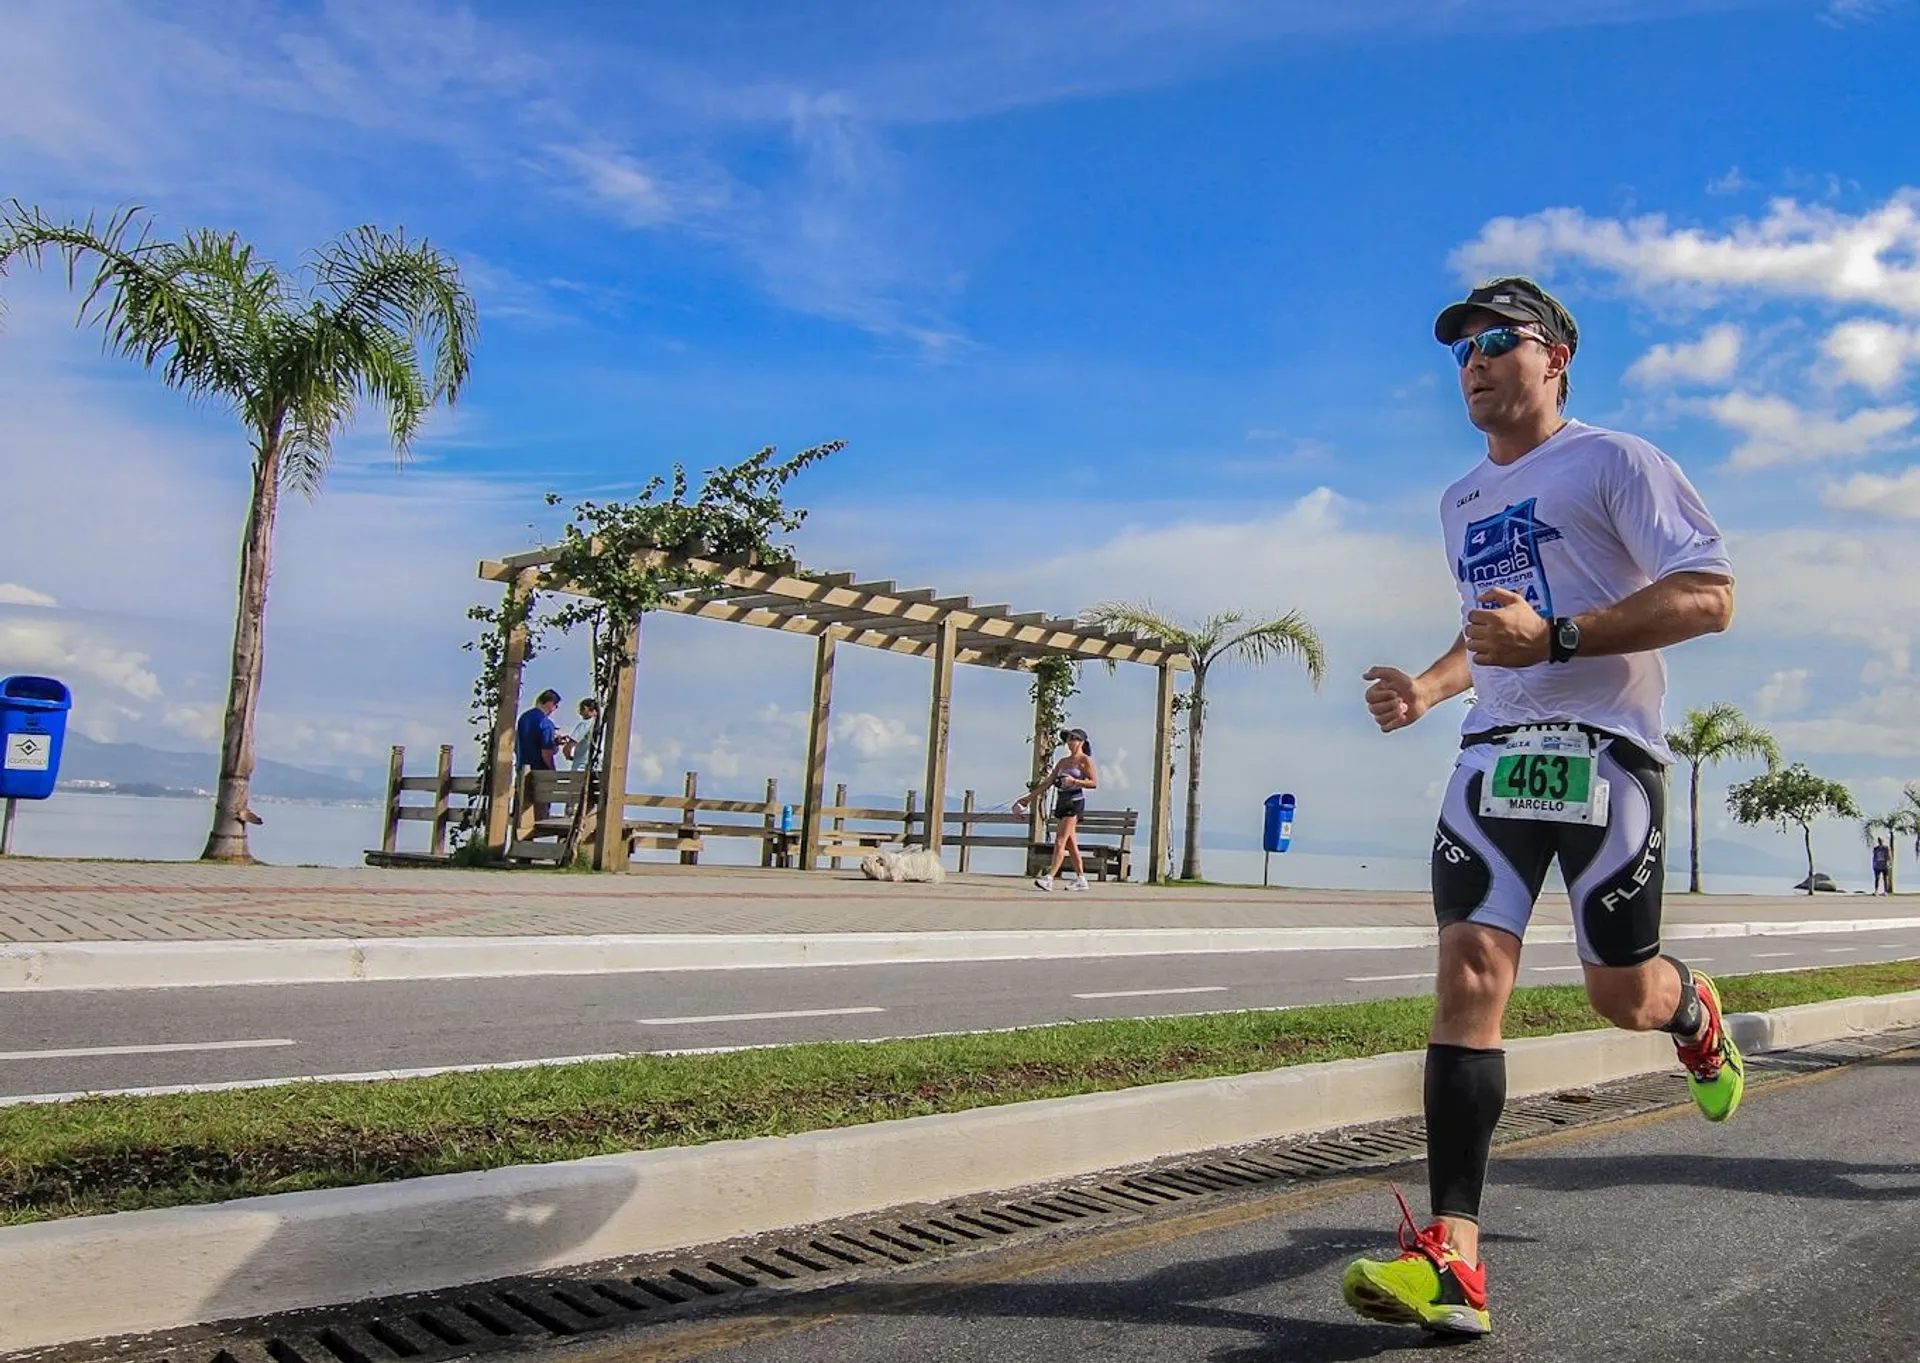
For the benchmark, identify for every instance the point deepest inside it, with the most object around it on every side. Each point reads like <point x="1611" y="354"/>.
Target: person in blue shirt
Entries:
<point x="536" y="742"/>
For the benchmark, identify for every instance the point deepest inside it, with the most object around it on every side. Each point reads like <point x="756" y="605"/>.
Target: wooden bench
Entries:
<point x="1106" y="843"/>
<point x="544" y="838"/>
<point x="1105" y="835"/>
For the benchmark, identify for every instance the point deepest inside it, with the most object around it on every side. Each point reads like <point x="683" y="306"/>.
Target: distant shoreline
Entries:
<point x="142" y="790"/>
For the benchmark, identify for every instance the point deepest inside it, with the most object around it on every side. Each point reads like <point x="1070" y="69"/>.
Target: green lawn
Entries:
<point x="117" y="1154"/>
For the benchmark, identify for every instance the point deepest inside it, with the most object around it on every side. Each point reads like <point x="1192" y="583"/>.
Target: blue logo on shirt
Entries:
<point x="1504" y="551"/>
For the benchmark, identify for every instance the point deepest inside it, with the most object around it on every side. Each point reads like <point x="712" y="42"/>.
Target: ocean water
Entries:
<point x="72" y="824"/>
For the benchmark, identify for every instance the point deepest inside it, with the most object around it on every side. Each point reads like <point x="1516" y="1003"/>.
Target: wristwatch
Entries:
<point x="1563" y="640"/>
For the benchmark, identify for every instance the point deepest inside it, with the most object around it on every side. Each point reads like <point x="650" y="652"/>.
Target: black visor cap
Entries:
<point x="1515" y="300"/>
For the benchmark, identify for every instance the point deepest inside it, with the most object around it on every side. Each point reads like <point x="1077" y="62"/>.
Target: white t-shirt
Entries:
<point x="582" y="735"/>
<point x="1581" y="522"/>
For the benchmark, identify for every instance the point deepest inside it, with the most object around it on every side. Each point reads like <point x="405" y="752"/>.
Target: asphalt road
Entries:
<point x="1785" y="1235"/>
<point x="89" y="1041"/>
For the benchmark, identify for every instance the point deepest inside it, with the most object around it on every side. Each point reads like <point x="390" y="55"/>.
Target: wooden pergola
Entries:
<point x="834" y="608"/>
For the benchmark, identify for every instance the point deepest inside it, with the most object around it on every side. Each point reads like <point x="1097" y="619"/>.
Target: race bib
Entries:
<point x="1545" y="774"/>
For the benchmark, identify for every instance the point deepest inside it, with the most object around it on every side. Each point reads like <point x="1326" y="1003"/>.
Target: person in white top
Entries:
<point x="579" y="743"/>
<point x="1579" y="553"/>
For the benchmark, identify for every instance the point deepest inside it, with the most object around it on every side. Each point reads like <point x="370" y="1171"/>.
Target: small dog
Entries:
<point x="916" y="863"/>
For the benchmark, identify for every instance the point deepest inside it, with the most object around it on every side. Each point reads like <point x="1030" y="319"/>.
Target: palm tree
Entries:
<point x="1707" y="737"/>
<point x="370" y="317"/>
<point x="1889" y="826"/>
<point x="1218" y="638"/>
<point x="1903" y="821"/>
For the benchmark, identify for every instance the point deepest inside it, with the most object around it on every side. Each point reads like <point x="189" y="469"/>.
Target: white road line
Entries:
<point x="79" y="1052"/>
<point x="1154" y="993"/>
<point x="1835" y="951"/>
<point x="1770" y="955"/>
<point x="758" y="1017"/>
<point x="1575" y="966"/>
<point x="1382" y="979"/>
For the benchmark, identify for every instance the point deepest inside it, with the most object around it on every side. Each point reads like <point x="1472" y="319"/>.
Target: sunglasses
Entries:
<point x="1493" y="343"/>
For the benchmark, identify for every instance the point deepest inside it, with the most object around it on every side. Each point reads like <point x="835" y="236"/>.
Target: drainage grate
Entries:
<point x="456" y="1323"/>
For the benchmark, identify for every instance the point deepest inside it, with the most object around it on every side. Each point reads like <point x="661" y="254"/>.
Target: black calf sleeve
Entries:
<point x="1465" y="1090"/>
<point x="1687" y="1017"/>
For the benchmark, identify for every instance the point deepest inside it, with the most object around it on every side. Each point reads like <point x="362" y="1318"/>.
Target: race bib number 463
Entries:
<point x="1545" y="774"/>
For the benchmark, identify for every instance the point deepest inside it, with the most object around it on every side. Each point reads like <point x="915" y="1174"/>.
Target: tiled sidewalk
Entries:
<point x="46" y="900"/>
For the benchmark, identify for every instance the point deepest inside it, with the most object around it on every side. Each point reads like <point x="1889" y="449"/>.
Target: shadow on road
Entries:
<point x="1835" y="1180"/>
<point x="1180" y="1296"/>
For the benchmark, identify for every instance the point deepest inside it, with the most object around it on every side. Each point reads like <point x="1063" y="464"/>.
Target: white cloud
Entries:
<point x="202" y="722"/>
<point x="1878" y="724"/>
<point x="1872" y="354"/>
<point x="1794" y="251"/>
<point x="1896" y="496"/>
<point x="1785" y="691"/>
<point x="76" y="655"/>
<point x="13" y="594"/>
<point x="1331" y="557"/>
<point x="621" y="183"/>
<point x="873" y="735"/>
<point x="1778" y="432"/>
<point x="1856" y="11"/>
<point x="1730" y="183"/>
<point x="1711" y="359"/>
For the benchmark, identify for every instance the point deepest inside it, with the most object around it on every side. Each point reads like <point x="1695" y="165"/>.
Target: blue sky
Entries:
<point x="1108" y="299"/>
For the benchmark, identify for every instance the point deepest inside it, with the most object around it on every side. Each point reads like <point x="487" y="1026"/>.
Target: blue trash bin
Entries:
<point x="33" y="729"/>
<point x="1276" y="833"/>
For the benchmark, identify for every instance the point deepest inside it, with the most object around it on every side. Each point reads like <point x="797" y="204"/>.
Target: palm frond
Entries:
<point x="179" y="307"/>
<point x="383" y="281"/>
<point x="1286" y="635"/>
<point x="1138" y="618"/>
<point x="1720" y="731"/>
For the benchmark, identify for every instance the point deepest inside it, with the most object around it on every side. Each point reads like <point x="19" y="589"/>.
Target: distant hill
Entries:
<point x="135" y="764"/>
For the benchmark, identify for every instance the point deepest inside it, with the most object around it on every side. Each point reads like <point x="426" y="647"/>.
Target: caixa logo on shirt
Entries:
<point x="1503" y="550"/>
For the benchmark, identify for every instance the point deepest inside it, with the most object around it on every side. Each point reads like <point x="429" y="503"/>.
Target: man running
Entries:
<point x="1579" y="553"/>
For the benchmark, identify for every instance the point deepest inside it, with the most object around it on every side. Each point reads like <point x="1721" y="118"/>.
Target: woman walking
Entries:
<point x="1072" y="777"/>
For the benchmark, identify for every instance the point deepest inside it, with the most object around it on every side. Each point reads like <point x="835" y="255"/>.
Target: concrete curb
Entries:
<point x="184" y="1265"/>
<point x="158" y="965"/>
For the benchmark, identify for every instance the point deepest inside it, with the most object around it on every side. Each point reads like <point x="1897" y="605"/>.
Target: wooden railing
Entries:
<point x="442" y="813"/>
<point x="549" y="802"/>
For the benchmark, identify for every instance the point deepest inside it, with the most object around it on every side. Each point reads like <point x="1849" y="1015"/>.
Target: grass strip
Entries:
<point x="120" y="1154"/>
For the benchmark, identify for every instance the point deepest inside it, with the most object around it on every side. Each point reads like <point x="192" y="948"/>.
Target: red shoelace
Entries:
<point x="1703" y="1057"/>
<point x="1430" y="1241"/>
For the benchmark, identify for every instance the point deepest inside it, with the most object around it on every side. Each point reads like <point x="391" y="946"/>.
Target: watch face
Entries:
<point x="1569" y="635"/>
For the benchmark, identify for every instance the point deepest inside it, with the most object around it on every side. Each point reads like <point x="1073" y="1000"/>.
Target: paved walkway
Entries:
<point x="50" y="901"/>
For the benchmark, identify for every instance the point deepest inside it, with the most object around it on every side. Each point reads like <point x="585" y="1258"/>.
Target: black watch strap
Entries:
<point x="1563" y="639"/>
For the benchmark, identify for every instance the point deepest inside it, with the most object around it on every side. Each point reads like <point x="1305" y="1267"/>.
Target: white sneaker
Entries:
<point x="1043" y="882"/>
<point x="1077" y="883"/>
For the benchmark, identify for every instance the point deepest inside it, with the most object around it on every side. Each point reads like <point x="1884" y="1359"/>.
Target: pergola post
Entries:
<point x="1043" y="741"/>
<point x="506" y="714"/>
<point x="1160" y="835"/>
<point x="939" y="724"/>
<point x="810" y="829"/>
<point x="611" y="850"/>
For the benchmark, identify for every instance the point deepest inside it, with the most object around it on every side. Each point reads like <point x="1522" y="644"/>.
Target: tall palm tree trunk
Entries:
<point x="1693" y="851"/>
<point x="228" y="839"/>
<point x="1196" y="726"/>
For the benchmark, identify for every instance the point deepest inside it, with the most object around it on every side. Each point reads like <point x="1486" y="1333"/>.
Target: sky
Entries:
<point x="1122" y="300"/>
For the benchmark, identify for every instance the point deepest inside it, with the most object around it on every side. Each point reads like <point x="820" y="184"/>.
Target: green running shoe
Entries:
<point x="1428" y="1285"/>
<point x="1716" y="1072"/>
